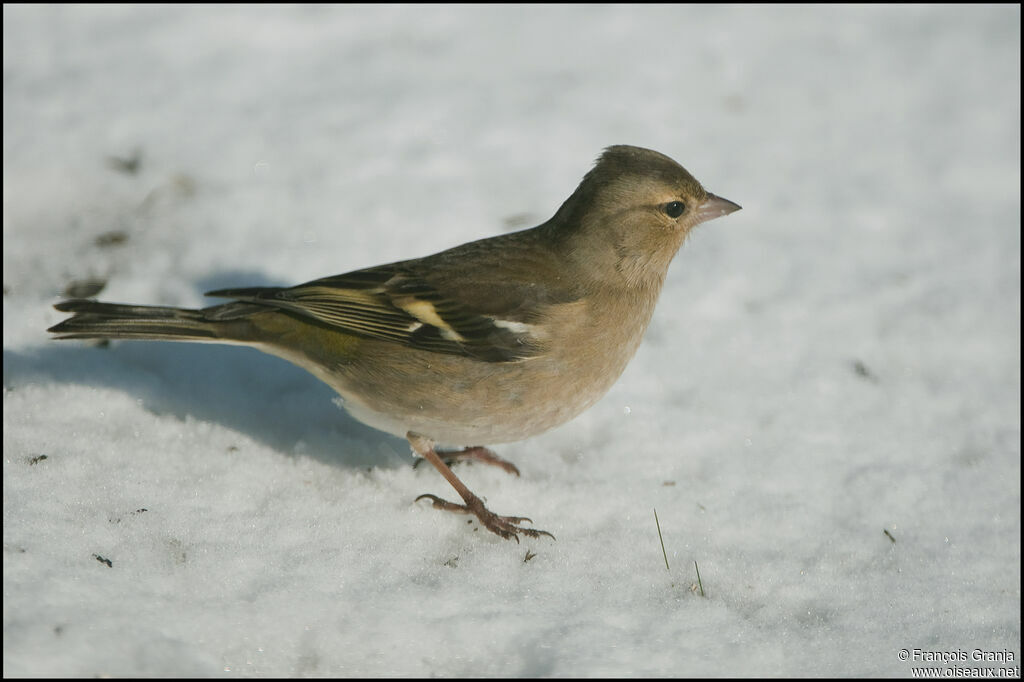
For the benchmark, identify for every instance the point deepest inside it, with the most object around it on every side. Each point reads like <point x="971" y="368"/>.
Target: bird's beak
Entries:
<point x="715" y="207"/>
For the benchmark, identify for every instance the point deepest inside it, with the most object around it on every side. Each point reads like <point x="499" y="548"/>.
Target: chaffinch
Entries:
<point x="492" y="341"/>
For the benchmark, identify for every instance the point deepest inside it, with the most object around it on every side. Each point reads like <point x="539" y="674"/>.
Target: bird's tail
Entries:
<point x="95" y="320"/>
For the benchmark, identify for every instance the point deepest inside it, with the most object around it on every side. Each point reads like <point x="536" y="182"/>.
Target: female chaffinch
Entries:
<point x="493" y="341"/>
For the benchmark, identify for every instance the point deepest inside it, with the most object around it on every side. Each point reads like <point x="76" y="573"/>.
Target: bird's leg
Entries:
<point x="478" y="453"/>
<point x="505" y="526"/>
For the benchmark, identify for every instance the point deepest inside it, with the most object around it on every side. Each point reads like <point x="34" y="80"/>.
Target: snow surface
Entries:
<point x="837" y="361"/>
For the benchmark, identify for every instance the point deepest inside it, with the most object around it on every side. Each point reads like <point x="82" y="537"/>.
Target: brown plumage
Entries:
<point x="492" y="341"/>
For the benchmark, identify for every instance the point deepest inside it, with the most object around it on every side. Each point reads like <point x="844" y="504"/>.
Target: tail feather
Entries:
<point x="95" y="320"/>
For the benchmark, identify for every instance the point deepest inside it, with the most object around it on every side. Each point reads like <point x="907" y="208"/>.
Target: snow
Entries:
<point x="837" y="361"/>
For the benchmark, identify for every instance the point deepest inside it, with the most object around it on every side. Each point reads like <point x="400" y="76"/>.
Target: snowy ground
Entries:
<point x="825" y="411"/>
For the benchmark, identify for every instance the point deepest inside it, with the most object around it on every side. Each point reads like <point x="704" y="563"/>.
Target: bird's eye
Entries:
<point x="674" y="209"/>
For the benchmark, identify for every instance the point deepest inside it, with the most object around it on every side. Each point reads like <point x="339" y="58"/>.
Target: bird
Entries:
<point x="489" y="342"/>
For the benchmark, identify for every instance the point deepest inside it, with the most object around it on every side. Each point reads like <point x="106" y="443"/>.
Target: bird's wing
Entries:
<point x="424" y="304"/>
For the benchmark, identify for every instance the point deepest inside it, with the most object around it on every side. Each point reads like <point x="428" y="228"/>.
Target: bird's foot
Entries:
<point x="506" y="526"/>
<point x="477" y="453"/>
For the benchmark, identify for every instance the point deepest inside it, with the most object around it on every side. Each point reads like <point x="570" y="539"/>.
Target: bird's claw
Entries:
<point x="505" y="526"/>
<point x="477" y="453"/>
